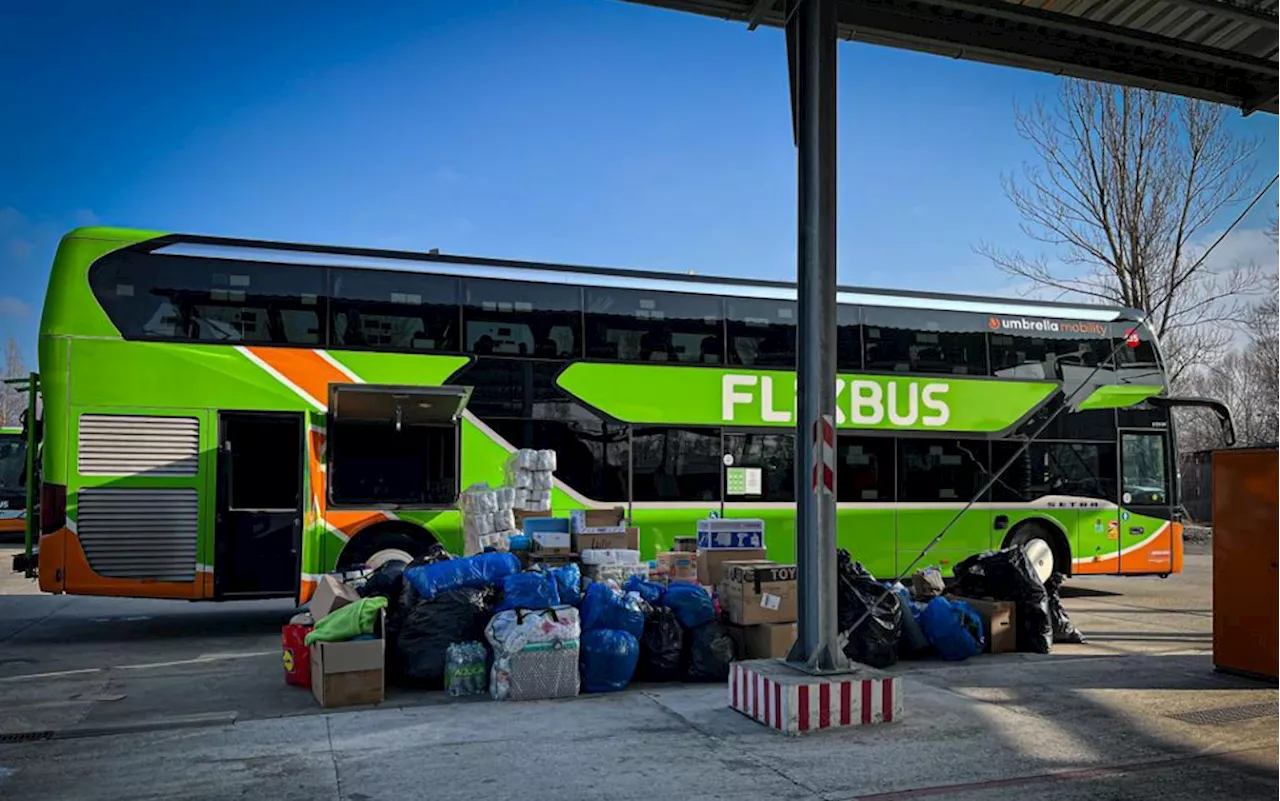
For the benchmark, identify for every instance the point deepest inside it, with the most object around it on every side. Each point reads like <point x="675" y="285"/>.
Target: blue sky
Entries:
<point x="587" y="131"/>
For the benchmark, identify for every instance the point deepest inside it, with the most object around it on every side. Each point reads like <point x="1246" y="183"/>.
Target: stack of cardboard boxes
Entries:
<point x="345" y="673"/>
<point x="607" y="546"/>
<point x="758" y="596"/>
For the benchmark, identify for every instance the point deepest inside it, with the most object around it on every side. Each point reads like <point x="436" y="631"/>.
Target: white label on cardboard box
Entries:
<point x="770" y="601"/>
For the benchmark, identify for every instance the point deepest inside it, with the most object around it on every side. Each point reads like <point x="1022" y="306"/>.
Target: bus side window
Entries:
<point x="762" y="333"/>
<point x="924" y="341"/>
<point x="593" y="456"/>
<point x="941" y="471"/>
<point x="508" y="318"/>
<point x="675" y="464"/>
<point x="773" y="455"/>
<point x="163" y="296"/>
<point x="633" y="325"/>
<point x="848" y="338"/>
<point x="394" y="311"/>
<point x="864" y="469"/>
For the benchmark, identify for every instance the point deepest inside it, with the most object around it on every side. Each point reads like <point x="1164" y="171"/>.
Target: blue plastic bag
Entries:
<point x="608" y="659"/>
<point x="475" y="572"/>
<point x="650" y="591"/>
<point x="568" y="581"/>
<point x="603" y="608"/>
<point x="691" y="603"/>
<point x="529" y="591"/>
<point x="953" y="628"/>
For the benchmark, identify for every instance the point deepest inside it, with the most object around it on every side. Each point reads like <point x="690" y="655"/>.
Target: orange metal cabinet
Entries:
<point x="1245" y="537"/>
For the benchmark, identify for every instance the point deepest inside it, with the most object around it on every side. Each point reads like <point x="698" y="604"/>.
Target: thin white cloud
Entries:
<point x="11" y="219"/>
<point x="13" y="307"/>
<point x="18" y="250"/>
<point x="85" y="217"/>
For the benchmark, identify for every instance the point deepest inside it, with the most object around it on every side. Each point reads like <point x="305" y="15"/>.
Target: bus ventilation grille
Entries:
<point x="134" y="445"/>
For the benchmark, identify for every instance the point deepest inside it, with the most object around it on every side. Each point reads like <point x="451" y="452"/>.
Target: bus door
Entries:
<point x="1146" y="502"/>
<point x="258" y="529"/>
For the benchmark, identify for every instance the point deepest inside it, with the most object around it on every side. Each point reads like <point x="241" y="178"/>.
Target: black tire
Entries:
<point x="401" y="537"/>
<point x="1045" y="548"/>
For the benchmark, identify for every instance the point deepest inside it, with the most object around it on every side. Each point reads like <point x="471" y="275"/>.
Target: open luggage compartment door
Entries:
<point x="395" y="446"/>
<point x="405" y="405"/>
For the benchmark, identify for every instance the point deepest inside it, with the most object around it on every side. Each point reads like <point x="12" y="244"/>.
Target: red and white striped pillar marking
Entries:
<point x="803" y="704"/>
<point x="824" y="455"/>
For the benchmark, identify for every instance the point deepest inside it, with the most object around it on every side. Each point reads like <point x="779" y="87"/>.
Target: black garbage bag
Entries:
<point x="1007" y="575"/>
<point x="709" y="652"/>
<point x="912" y="644"/>
<point x="1063" y="629"/>
<point x="386" y="581"/>
<point x="871" y="639"/>
<point x="661" y="647"/>
<point x="428" y="628"/>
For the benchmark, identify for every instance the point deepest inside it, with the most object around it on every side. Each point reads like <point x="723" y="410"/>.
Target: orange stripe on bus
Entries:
<point x="307" y="369"/>
<point x="81" y="579"/>
<point x="1162" y="555"/>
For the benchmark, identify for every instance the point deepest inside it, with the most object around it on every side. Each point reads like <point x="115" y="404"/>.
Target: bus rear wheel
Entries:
<point x="381" y="544"/>
<point x="1043" y="549"/>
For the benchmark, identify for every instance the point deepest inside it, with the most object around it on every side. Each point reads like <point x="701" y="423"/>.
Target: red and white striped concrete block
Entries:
<point x="794" y="702"/>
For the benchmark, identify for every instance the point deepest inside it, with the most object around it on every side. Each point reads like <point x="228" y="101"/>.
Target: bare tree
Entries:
<point x="1247" y="379"/>
<point x="1129" y="181"/>
<point x="12" y="402"/>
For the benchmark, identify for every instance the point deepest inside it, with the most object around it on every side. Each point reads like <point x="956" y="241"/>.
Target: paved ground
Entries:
<point x="163" y="700"/>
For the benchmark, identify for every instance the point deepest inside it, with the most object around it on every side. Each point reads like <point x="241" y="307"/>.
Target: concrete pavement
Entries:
<point x="1087" y="721"/>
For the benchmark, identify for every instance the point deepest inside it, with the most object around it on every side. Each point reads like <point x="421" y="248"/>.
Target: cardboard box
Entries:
<point x="350" y="673"/>
<point x="711" y="562"/>
<point x="607" y="539"/>
<point x="766" y="641"/>
<point x="521" y="515"/>
<point x="597" y="518"/>
<point x="545" y="525"/>
<point x="720" y="532"/>
<point x="759" y="592"/>
<point x="551" y="540"/>
<point x="330" y="595"/>
<point x="999" y="623"/>
<point x="677" y="566"/>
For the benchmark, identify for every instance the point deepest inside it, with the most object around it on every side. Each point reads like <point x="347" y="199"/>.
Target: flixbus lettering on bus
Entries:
<point x="861" y="402"/>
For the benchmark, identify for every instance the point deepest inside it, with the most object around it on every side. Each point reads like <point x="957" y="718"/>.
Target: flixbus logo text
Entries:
<point x="1043" y="324"/>
<point x="859" y="402"/>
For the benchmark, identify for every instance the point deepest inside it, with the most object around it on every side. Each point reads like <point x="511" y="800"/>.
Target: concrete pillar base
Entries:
<point x="794" y="702"/>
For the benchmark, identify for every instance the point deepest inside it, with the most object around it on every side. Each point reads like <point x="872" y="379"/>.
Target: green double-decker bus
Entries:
<point x="230" y="419"/>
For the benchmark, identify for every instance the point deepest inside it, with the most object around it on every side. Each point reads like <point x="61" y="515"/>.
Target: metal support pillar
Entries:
<point x="811" y="40"/>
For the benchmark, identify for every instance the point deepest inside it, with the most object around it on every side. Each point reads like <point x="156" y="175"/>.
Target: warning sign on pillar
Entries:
<point x="824" y="455"/>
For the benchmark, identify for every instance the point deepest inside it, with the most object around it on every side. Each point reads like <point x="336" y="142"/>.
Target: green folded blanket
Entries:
<point x="350" y="621"/>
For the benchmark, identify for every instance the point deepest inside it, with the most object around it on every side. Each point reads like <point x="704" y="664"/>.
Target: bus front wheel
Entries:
<point x="1043" y="548"/>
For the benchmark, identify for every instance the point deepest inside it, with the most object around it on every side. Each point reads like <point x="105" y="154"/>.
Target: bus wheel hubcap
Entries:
<point x="387" y="555"/>
<point x="1041" y="556"/>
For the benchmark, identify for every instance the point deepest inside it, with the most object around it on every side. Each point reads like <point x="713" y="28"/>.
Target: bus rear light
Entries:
<point x="53" y="507"/>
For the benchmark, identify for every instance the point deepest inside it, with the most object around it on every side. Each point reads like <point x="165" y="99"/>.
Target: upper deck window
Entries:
<point x="641" y="326"/>
<point x="156" y="296"/>
<point x="762" y="333"/>
<point x="517" y="318"/>
<point x="394" y="311"/>
<point x="924" y="341"/>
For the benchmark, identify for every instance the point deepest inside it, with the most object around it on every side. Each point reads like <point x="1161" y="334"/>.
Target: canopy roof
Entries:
<point x="1219" y="50"/>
